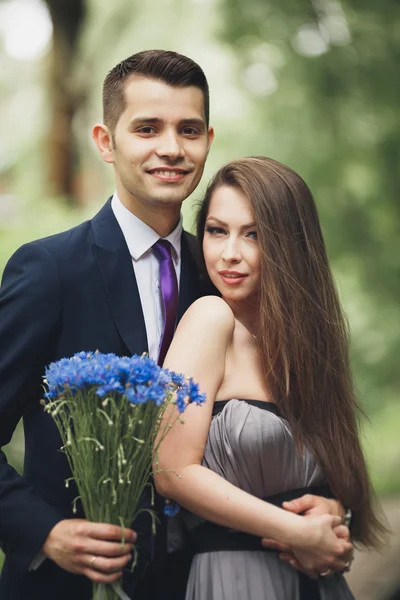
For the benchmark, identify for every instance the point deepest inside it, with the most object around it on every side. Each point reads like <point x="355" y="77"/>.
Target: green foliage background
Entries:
<point x="314" y="84"/>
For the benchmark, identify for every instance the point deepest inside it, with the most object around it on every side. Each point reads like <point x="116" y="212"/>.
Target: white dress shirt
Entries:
<point x="140" y="238"/>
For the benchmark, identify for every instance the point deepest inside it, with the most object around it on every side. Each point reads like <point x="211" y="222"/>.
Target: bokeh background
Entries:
<point x="312" y="83"/>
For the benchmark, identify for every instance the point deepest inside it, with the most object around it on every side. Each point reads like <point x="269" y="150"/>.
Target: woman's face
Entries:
<point x="230" y="246"/>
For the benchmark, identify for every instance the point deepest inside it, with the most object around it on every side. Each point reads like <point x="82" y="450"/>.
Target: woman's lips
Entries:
<point x="232" y="277"/>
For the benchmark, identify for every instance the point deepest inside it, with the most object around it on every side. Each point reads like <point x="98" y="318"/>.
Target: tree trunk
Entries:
<point x="67" y="17"/>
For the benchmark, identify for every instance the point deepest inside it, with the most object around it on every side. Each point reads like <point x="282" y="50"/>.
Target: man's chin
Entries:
<point x="165" y="197"/>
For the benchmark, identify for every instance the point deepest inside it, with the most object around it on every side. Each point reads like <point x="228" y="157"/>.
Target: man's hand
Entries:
<point x="92" y="549"/>
<point x="311" y="505"/>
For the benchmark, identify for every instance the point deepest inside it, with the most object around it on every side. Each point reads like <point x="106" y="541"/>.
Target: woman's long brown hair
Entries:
<point x="303" y="333"/>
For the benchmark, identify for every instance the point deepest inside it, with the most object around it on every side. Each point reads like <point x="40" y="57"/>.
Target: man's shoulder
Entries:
<point x="60" y="252"/>
<point x="191" y="241"/>
<point x="189" y="236"/>
<point x="64" y="238"/>
<point x="67" y="241"/>
<point x="190" y="246"/>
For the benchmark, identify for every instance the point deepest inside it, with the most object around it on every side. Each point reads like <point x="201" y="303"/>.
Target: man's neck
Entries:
<point x="162" y="219"/>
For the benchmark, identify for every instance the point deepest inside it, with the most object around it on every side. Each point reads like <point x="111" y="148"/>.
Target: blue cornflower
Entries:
<point x="139" y="378"/>
<point x="171" y="508"/>
<point x="181" y="395"/>
<point x="156" y="394"/>
<point x="194" y="393"/>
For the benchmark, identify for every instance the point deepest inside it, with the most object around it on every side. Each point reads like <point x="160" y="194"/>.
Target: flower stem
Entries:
<point x="102" y="591"/>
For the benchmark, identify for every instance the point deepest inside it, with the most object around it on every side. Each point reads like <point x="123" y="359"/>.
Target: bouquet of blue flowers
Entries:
<point x="109" y="412"/>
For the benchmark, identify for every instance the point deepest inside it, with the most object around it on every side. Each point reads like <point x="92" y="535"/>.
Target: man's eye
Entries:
<point x="214" y="230"/>
<point x="146" y="130"/>
<point x="253" y="235"/>
<point x="190" y="131"/>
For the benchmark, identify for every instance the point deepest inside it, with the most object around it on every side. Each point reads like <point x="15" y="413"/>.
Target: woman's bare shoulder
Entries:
<point x="210" y="311"/>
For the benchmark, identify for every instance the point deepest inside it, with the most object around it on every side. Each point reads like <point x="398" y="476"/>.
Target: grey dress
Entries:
<point x="251" y="446"/>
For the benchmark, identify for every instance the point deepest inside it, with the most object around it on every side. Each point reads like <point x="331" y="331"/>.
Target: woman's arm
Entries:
<point x="198" y="350"/>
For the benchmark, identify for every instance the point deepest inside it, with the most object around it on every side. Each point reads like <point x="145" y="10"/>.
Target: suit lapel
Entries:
<point x="115" y="264"/>
<point x="190" y="285"/>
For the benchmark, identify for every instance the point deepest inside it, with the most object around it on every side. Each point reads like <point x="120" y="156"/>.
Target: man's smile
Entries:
<point x="168" y="174"/>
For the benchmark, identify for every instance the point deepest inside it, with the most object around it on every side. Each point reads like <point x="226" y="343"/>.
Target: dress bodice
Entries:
<point x="251" y="445"/>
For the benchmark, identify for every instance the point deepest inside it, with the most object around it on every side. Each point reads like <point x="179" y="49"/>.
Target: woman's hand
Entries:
<point x="309" y="506"/>
<point x="322" y="545"/>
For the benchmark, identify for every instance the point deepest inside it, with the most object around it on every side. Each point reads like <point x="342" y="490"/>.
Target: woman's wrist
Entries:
<point x="291" y="529"/>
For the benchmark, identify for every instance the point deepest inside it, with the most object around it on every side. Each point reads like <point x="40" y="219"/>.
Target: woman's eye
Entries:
<point x="214" y="230"/>
<point x="253" y="235"/>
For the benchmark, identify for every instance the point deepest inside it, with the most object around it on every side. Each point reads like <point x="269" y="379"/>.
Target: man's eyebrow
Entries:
<point x="157" y="121"/>
<point x="246" y="226"/>
<point x="193" y="122"/>
<point x="145" y="121"/>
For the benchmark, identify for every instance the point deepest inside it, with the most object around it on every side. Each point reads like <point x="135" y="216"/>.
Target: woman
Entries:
<point x="280" y="418"/>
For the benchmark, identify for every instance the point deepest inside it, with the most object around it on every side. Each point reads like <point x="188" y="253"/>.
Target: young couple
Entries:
<point x="271" y="353"/>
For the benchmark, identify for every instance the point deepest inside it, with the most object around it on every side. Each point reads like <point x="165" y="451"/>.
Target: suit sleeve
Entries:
<point x="30" y="308"/>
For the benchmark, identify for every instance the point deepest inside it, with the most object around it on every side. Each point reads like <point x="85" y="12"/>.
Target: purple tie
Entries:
<point x="169" y="294"/>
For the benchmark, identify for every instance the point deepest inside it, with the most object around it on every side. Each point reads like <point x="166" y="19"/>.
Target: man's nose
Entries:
<point x="170" y="146"/>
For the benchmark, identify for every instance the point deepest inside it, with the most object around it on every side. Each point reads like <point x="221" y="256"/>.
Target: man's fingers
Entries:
<point x="108" y="566"/>
<point x="311" y="505"/>
<point x="347" y="557"/>
<point x="292" y="506"/>
<point x="103" y="531"/>
<point x="335" y="521"/>
<point x="300" y="505"/>
<point x="341" y="565"/>
<point x="274" y="545"/>
<point x="92" y="549"/>
<point x="293" y="562"/>
<point x="95" y="547"/>
<point x="296" y="565"/>
<point x="99" y="577"/>
<point x="347" y="548"/>
<point x="287" y="557"/>
<point x="342" y="532"/>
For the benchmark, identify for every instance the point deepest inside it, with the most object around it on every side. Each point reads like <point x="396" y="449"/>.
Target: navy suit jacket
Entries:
<point x="69" y="292"/>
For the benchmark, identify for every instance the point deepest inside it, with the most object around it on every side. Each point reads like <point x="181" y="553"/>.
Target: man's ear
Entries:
<point x="103" y="140"/>
<point x="210" y="138"/>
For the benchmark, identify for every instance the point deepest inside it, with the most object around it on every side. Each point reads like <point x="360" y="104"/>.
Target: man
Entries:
<point x="99" y="286"/>
<point x="96" y="287"/>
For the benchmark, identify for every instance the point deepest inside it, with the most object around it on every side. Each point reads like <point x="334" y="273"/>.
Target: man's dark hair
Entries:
<point x="168" y="67"/>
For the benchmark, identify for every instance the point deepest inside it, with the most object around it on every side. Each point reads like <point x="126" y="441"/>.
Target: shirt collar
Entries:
<point x="139" y="236"/>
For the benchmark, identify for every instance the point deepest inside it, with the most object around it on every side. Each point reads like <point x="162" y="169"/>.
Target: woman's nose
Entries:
<point x="231" y="251"/>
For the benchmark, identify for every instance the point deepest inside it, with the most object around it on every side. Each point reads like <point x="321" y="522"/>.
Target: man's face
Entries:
<point x="160" y="143"/>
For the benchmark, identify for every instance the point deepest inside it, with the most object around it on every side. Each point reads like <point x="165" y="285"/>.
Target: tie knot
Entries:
<point x="162" y="249"/>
